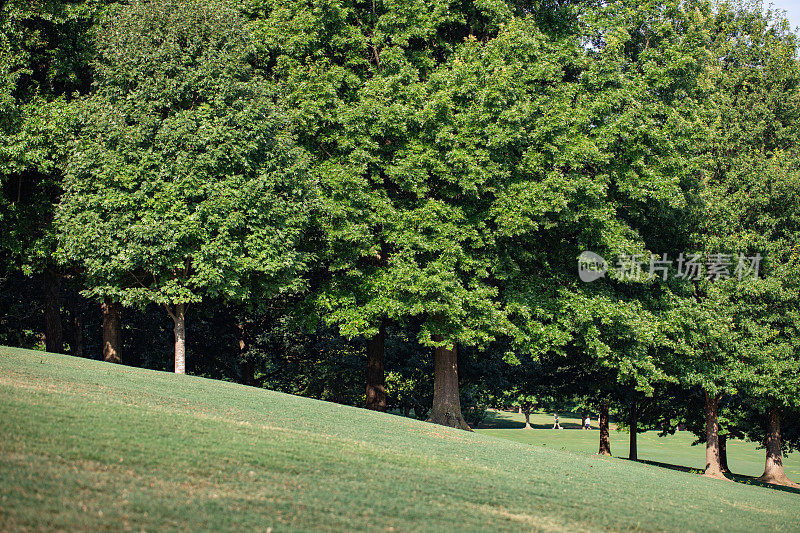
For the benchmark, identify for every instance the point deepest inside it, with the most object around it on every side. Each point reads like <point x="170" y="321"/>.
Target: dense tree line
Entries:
<point x="386" y="204"/>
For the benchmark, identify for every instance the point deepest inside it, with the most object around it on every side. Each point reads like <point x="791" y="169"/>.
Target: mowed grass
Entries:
<point x="90" y="445"/>
<point x="744" y="458"/>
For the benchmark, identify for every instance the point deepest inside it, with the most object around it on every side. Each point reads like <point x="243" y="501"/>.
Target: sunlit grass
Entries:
<point x="89" y="445"/>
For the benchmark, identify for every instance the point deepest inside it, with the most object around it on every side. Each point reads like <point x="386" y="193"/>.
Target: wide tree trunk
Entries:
<point x="773" y="469"/>
<point x="633" y="426"/>
<point x="605" y="440"/>
<point x="376" y="384"/>
<point x="179" y="318"/>
<point x="723" y="452"/>
<point x="112" y="331"/>
<point x="713" y="466"/>
<point x="75" y="327"/>
<point x="526" y="410"/>
<point x="446" y="409"/>
<point x="53" y="337"/>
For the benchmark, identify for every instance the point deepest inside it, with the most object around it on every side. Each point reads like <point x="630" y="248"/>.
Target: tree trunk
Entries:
<point x="713" y="467"/>
<point x="112" y="331"/>
<point x="723" y="452"/>
<point x="247" y="367"/>
<point x="446" y="409"/>
<point x="179" y="318"/>
<point x="53" y="338"/>
<point x="75" y="327"/>
<point x="526" y="410"/>
<point x="773" y="469"/>
<point x="376" y="384"/>
<point x="633" y="426"/>
<point x="605" y="441"/>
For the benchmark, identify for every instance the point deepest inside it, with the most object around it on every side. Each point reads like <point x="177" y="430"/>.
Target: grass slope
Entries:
<point x="90" y="445"/>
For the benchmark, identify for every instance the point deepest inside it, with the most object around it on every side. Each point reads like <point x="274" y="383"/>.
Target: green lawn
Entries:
<point x="89" y="445"/>
<point x="743" y="457"/>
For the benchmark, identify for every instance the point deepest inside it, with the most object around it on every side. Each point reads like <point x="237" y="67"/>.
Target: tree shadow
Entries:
<point x="738" y="478"/>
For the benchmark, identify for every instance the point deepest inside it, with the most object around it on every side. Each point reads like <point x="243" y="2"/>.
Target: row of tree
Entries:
<point x="430" y="169"/>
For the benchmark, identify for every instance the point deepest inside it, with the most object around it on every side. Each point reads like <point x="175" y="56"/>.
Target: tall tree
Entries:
<point x="182" y="183"/>
<point x="748" y="215"/>
<point x="44" y="61"/>
<point x="399" y="242"/>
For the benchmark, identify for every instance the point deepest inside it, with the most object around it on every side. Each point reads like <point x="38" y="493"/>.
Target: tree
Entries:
<point x="44" y="61"/>
<point x="400" y="238"/>
<point x="753" y="117"/>
<point x="182" y="183"/>
<point x="613" y="178"/>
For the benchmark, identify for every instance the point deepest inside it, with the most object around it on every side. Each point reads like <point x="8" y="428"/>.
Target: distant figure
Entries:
<point x="587" y="424"/>
<point x="556" y="425"/>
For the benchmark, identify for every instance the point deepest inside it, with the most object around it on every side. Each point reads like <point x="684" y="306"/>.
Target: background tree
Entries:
<point x="45" y="52"/>
<point x="182" y="183"/>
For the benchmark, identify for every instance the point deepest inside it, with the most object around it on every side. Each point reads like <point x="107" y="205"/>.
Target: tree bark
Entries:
<point x="446" y="409"/>
<point x="526" y="410"/>
<point x="53" y="337"/>
<point x="179" y="318"/>
<point x="376" y="383"/>
<point x="112" y="331"/>
<point x="605" y="440"/>
<point x="633" y="426"/>
<point x="75" y="327"/>
<point x="723" y="452"/>
<point x="773" y="469"/>
<point x="713" y="466"/>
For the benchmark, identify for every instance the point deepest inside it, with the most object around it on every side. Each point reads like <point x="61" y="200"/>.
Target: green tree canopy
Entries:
<point x="182" y="182"/>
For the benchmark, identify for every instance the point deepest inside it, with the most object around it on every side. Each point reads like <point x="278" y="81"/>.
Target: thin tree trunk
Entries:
<point x="633" y="426"/>
<point x="76" y="327"/>
<point x="605" y="440"/>
<point x="446" y="409"/>
<point x="53" y="337"/>
<point x="773" y="469"/>
<point x="247" y="367"/>
<point x="112" y="331"/>
<point x="723" y="452"/>
<point x="713" y="467"/>
<point x="179" y="318"/>
<point x="526" y="410"/>
<point x="376" y="384"/>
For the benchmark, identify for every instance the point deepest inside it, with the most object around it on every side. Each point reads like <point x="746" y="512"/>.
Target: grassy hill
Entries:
<point x="90" y="445"/>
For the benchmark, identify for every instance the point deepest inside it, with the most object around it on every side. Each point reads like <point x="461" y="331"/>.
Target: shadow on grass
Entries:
<point x="738" y="478"/>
